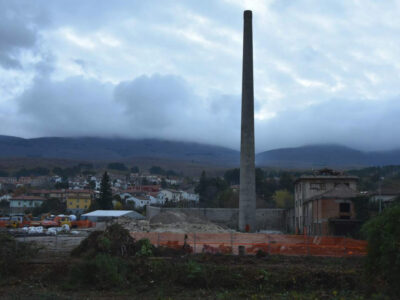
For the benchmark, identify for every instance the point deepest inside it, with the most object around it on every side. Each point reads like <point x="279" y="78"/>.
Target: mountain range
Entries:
<point x="122" y="149"/>
<point x="115" y="149"/>
<point x="315" y="156"/>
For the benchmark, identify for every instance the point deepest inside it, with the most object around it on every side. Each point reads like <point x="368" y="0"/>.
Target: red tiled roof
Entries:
<point x="147" y="188"/>
<point x="142" y="198"/>
<point x="340" y="191"/>
<point x="46" y="191"/>
<point x="79" y="191"/>
<point x="27" y="198"/>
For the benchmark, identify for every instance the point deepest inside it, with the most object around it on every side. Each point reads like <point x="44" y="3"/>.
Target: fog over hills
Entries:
<point x="120" y="149"/>
<point x="94" y="148"/>
<point x="315" y="156"/>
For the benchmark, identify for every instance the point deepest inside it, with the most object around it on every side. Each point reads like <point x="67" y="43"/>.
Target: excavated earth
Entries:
<point x="172" y="222"/>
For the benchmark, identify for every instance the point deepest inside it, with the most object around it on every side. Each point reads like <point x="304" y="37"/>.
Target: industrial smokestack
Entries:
<point x="247" y="197"/>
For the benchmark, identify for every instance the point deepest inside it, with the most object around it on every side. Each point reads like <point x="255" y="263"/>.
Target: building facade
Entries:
<point x="78" y="201"/>
<point x="323" y="203"/>
<point x="384" y="197"/>
<point x="170" y="195"/>
<point x="22" y="204"/>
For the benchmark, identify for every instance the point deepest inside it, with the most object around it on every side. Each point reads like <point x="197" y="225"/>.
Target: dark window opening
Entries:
<point x="344" y="207"/>
<point x="345" y="183"/>
<point x="314" y="186"/>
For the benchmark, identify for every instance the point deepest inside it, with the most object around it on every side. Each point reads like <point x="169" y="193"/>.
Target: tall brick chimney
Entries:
<point x="247" y="197"/>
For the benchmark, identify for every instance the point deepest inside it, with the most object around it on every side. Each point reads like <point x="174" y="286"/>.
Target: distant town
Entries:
<point x="297" y="194"/>
<point x="76" y="188"/>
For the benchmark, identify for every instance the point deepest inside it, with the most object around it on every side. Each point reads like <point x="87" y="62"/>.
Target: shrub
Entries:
<point x="383" y="235"/>
<point x="115" y="240"/>
<point x="144" y="248"/>
<point x="107" y="263"/>
<point x="103" y="272"/>
<point x="12" y="253"/>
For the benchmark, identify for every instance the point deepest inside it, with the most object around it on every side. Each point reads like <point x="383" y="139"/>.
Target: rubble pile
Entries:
<point x="173" y="217"/>
<point x="134" y="225"/>
<point x="172" y="222"/>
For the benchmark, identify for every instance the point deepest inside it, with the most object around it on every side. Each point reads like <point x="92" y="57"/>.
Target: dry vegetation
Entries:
<point x="111" y="264"/>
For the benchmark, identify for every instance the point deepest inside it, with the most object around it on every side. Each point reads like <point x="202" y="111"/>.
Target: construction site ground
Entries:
<point x="173" y="229"/>
<point x="225" y="277"/>
<point x="184" y="275"/>
<point x="56" y="247"/>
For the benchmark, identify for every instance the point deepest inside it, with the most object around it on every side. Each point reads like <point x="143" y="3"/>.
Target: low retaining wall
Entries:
<point x="266" y="219"/>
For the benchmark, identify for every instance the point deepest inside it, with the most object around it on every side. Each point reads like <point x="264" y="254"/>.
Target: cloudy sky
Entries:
<point x="325" y="71"/>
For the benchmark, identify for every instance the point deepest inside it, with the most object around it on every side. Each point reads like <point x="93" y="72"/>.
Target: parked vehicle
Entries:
<point x="18" y="221"/>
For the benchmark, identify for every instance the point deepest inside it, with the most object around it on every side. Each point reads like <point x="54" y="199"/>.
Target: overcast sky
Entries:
<point x="325" y="71"/>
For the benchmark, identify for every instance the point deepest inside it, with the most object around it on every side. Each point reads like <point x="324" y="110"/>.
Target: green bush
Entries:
<point x="13" y="253"/>
<point x="145" y="248"/>
<point x="107" y="259"/>
<point x="383" y="260"/>
<point x="115" y="240"/>
<point x="102" y="272"/>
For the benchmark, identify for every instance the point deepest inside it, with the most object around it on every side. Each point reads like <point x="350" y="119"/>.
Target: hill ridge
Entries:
<point x="119" y="149"/>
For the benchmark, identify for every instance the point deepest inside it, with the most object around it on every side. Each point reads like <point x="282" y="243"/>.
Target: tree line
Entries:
<point x="273" y="189"/>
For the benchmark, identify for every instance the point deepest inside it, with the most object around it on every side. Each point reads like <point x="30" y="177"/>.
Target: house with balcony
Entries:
<point x="22" y="204"/>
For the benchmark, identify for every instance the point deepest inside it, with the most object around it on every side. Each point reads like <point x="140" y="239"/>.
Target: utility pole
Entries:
<point x="380" y="193"/>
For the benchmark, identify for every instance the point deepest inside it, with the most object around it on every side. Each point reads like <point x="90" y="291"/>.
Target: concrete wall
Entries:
<point x="266" y="219"/>
<point x="290" y="221"/>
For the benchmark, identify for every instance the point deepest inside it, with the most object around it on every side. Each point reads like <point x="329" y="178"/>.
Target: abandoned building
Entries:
<point x="324" y="203"/>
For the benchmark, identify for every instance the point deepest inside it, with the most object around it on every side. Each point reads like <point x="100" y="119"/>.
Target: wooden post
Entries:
<point x="241" y="250"/>
<point x="194" y="247"/>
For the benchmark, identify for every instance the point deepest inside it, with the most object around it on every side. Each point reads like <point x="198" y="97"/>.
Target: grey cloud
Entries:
<point x="363" y="124"/>
<point x="157" y="106"/>
<point x="163" y="106"/>
<point x="306" y="54"/>
<point x="154" y="101"/>
<point x="19" y="23"/>
<point x="75" y="106"/>
<point x="9" y="62"/>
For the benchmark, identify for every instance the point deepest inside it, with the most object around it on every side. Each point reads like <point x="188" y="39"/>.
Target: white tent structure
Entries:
<point x="106" y="215"/>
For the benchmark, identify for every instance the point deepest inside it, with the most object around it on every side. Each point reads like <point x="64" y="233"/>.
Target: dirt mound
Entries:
<point x="183" y="222"/>
<point x="172" y="217"/>
<point x="188" y="228"/>
<point x="134" y="225"/>
<point x="178" y="222"/>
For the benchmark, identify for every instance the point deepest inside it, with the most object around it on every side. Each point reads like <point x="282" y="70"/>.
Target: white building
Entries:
<point x="170" y="195"/>
<point x="190" y="196"/>
<point x="139" y="201"/>
<point x="6" y="197"/>
<point x="385" y="196"/>
<point x="57" y="179"/>
<point x="173" y="181"/>
<point x="19" y="204"/>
